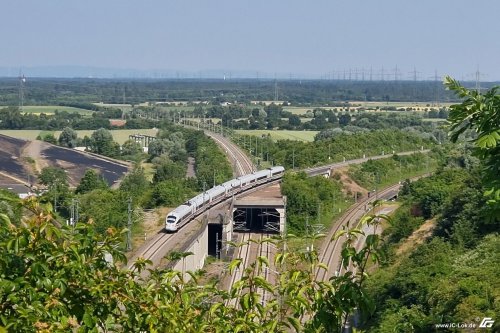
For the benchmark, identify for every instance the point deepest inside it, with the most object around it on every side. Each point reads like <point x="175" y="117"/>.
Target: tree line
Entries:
<point x="168" y="186"/>
<point x="40" y="91"/>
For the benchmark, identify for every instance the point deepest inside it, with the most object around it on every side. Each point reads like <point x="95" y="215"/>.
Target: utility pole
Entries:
<point x="55" y="199"/>
<point x="22" y="81"/>
<point x="129" y="225"/>
<point x="275" y="90"/>
<point x="72" y="213"/>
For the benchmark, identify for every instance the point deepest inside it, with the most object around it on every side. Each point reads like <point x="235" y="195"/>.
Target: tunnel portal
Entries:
<point x="260" y="211"/>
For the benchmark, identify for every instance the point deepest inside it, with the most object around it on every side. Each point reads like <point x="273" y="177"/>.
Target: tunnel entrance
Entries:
<point x="256" y="219"/>
<point x="214" y="240"/>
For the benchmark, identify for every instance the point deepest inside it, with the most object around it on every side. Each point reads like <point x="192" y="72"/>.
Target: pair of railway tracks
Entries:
<point x="252" y="246"/>
<point x="152" y="250"/>
<point x="331" y="249"/>
<point x="243" y="165"/>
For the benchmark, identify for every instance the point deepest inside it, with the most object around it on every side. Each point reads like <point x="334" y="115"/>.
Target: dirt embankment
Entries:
<point x="417" y="237"/>
<point x="350" y="186"/>
<point x="34" y="150"/>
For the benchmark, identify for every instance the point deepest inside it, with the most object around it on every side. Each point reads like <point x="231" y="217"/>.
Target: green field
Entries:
<point x="369" y="106"/>
<point x="180" y="108"/>
<point x="300" y="110"/>
<point x="50" y="109"/>
<point x="282" y="135"/>
<point x="119" y="136"/>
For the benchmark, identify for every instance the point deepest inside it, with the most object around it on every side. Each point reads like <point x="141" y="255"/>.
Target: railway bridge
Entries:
<point x="260" y="211"/>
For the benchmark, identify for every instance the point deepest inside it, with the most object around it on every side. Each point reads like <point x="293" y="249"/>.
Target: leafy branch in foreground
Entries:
<point x="481" y="113"/>
<point x="60" y="279"/>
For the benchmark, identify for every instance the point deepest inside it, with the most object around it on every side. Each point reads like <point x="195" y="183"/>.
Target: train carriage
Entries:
<point x="182" y="214"/>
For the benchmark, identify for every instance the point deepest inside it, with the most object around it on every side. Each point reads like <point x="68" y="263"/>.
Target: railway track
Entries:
<point x="152" y="249"/>
<point x="244" y="255"/>
<point x="330" y="252"/>
<point x="242" y="164"/>
<point x="267" y="250"/>
<point x="252" y="245"/>
<point x="155" y="249"/>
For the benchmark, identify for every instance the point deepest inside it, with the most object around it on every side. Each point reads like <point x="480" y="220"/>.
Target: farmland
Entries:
<point x="369" y="106"/>
<point x="50" y="109"/>
<point x="119" y="136"/>
<point x="282" y="135"/>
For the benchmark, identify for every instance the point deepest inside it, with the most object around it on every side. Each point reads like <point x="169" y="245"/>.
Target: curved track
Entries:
<point x="152" y="249"/>
<point x="155" y="248"/>
<point x="241" y="162"/>
<point x="330" y="252"/>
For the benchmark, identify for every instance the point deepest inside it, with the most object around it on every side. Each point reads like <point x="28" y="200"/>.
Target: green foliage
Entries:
<point x="306" y="197"/>
<point x="60" y="280"/>
<point x="377" y="173"/>
<point x="212" y="166"/>
<point x="104" y="209"/>
<point x="481" y="113"/>
<point x="131" y="148"/>
<point x="50" y="138"/>
<point x="90" y="181"/>
<point x="403" y="224"/>
<point x="56" y="181"/>
<point x="437" y="284"/>
<point x="172" y="192"/>
<point x="135" y="182"/>
<point x="68" y="138"/>
<point x="169" y="170"/>
<point x="292" y="153"/>
<point x="101" y="142"/>
<point x="11" y="118"/>
<point x="10" y="207"/>
<point x="429" y="194"/>
<point x="169" y="144"/>
<point x="453" y="276"/>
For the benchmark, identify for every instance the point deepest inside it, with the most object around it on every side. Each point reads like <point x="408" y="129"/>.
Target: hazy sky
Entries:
<point x="266" y="36"/>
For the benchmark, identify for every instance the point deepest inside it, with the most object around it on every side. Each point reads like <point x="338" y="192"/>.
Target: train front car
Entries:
<point x="177" y="218"/>
<point x="171" y="222"/>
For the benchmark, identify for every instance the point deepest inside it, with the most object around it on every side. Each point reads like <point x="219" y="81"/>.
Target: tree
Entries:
<point x="56" y="181"/>
<point x="273" y="111"/>
<point x="50" y="138"/>
<point x="62" y="280"/>
<point x="169" y="170"/>
<point x="294" y="120"/>
<point x="105" y="208"/>
<point x="101" y="142"/>
<point x="11" y="118"/>
<point x="130" y="148"/>
<point x="481" y="113"/>
<point x="68" y="137"/>
<point x="344" y="119"/>
<point x="91" y="181"/>
<point x="158" y="147"/>
<point x="135" y="182"/>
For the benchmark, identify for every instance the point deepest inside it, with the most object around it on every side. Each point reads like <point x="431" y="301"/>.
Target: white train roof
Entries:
<point x="181" y="211"/>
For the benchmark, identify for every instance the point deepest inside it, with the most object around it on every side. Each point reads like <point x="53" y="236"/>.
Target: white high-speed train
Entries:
<point x="182" y="214"/>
